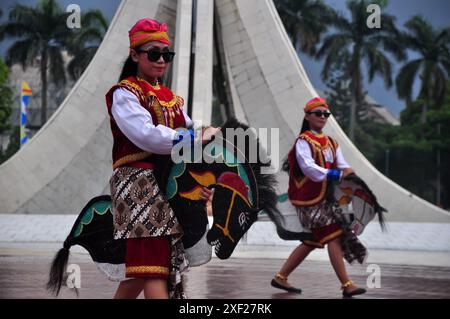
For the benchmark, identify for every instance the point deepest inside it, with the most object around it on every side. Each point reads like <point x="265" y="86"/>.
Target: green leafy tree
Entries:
<point x="86" y="41"/>
<point x="13" y="146"/>
<point x="417" y="153"/>
<point x="6" y="95"/>
<point x="339" y="95"/>
<point x="355" y="44"/>
<point x="41" y="33"/>
<point x="432" y="67"/>
<point x="305" y="21"/>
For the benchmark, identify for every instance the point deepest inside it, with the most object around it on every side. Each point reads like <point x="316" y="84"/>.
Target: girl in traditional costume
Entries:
<point x="144" y="116"/>
<point x="315" y="162"/>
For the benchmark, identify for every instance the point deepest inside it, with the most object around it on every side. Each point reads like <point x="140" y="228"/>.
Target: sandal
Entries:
<point x="355" y="292"/>
<point x="285" y="286"/>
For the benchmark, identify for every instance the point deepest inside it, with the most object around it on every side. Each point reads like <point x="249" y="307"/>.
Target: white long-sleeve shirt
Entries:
<point x="136" y="123"/>
<point x="309" y="166"/>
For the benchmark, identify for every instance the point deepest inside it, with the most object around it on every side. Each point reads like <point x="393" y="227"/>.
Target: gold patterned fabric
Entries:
<point x="328" y="214"/>
<point x="141" y="210"/>
<point x="139" y="207"/>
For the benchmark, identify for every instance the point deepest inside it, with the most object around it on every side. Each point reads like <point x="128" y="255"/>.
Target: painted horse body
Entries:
<point x="241" y="192"/>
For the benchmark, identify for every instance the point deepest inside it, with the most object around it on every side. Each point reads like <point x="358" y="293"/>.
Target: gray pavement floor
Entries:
<point x="247" y="275"/>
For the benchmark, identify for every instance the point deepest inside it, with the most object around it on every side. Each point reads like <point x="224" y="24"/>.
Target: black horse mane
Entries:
<point x="379" y="210"/>
<point x="267" y="196"/>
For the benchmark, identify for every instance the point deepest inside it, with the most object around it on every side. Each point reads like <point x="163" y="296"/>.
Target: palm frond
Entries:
<point x="432" y="45"/>
<point x="23" y="52"/>
<point x="421" y="31"/>
<point x="95" y="19"/>
<point x="439" y="85"/>
<point x="23" y="14"/>
<point x="16" y="29"/>
<point x="303" y="21"/>
<point x="445" y="61"/>
<point x="405" y="78"/>
<point x="378" y="63"/>
<point x="333" y="48"/>
<point x="394" y="45"/>
<point x="56" y="68"/>
<point x="80" y="62"/>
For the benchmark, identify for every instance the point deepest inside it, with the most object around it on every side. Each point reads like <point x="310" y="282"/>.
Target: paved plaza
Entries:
<point x="24" y="271"/>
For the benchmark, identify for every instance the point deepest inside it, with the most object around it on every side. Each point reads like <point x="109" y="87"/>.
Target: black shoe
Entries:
<point x="275" y="284"/>
<point x="357" y="291"/>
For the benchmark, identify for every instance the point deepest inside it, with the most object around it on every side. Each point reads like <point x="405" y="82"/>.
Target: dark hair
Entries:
<point x="305" y="126"/>
<point x="285" y="165"/>
<point x="129" y="69"/>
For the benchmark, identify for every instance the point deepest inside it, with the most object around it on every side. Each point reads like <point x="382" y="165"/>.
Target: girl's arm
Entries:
<point x="189" y="122"/>
<point x="309" y="167"/>
<point x="342" y="163"/>
<point x="137" y="124"/>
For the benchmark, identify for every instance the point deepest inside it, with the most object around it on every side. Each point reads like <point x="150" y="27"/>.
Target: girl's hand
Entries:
<point x="208" y="133"/>
<point x="207" y="194"/>
<point x="347" y="171"/>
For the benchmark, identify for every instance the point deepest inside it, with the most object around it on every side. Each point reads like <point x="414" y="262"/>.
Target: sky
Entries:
<point x="107" y="6"/>
<point x="435" y="11"/>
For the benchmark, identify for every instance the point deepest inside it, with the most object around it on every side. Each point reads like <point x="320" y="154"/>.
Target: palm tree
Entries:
<point x="86" y="42"/>
<point x="305" y="22"/>
<point x="354" y="43"/>
<point x="432" y="67"/>
<point x="42" y="32"/>
<point x="6" y="95"/>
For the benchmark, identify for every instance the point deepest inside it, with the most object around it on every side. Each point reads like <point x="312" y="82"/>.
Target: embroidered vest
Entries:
<point x="165" y="109"/>
<point x="302" y="190"/>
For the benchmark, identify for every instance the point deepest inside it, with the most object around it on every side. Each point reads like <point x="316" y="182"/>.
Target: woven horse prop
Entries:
<point x="357" y="203"/>
<point x="241" y="192"/>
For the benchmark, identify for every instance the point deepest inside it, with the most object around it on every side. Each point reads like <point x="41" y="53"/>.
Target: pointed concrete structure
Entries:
<point x="69" y="160"/>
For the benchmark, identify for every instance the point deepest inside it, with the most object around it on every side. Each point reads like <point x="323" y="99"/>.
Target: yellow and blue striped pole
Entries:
<point x="25" y="94"/>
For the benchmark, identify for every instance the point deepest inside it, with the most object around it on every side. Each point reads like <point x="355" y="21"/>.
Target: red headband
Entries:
<point x="314" y="103"/>
<point x="146" y="30"/>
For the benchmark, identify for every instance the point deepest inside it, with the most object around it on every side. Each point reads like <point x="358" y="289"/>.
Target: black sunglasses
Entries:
<point x="320" y="113"/>
<point x="154" y="55"/>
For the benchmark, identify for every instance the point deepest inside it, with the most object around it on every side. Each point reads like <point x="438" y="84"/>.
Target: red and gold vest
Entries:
<point x="164" y="107"/>
<point x="302" y="190"/>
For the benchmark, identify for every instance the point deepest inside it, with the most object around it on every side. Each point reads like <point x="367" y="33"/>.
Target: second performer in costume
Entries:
<point x="315" y="162"/>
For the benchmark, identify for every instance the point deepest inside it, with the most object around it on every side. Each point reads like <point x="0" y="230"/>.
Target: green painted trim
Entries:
<point x="99" y="208"/>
